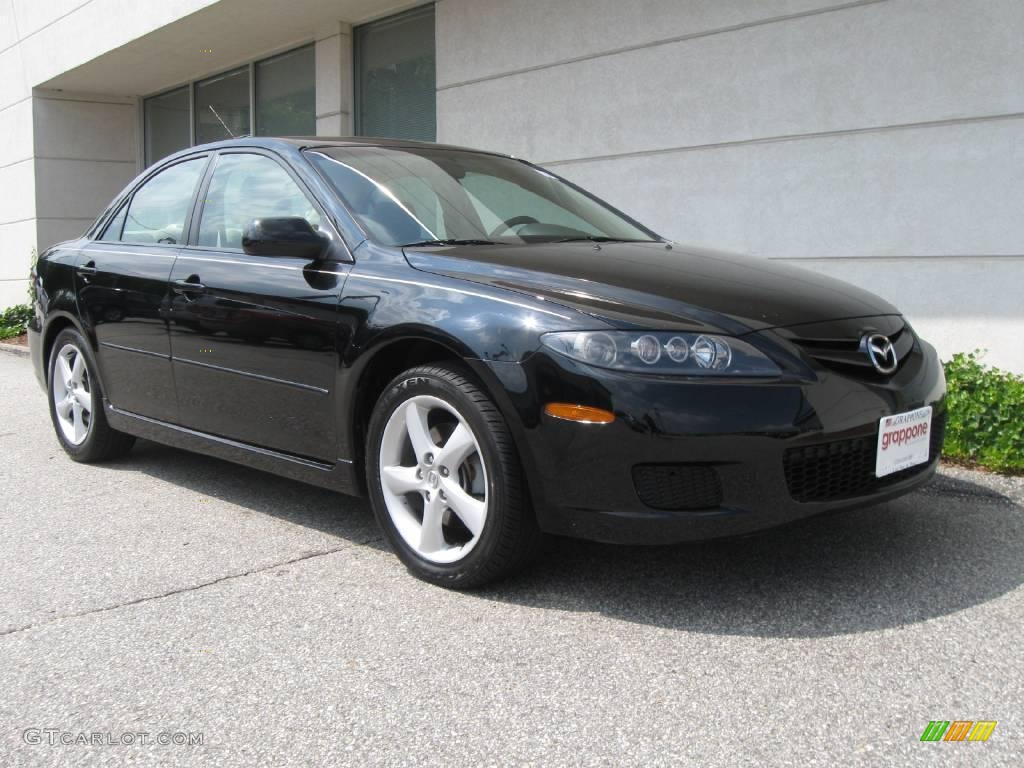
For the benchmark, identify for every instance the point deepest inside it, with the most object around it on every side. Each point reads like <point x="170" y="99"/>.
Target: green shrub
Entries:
<point x="986" y="414"/>
<point x="14" y="320"/>
<point x="33" y="259"/>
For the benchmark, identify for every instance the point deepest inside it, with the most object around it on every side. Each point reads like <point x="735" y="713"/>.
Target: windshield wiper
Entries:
<point x="595" y="239"/>
<point x="449" y="241"/>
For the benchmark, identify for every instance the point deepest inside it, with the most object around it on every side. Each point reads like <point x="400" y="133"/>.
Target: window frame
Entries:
<point x="126" y="200"/>
<point x="101" y="231"/>
<point x="196" y="217"/>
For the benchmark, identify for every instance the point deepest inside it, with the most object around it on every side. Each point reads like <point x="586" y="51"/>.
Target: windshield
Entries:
<point x="408" y="196"/>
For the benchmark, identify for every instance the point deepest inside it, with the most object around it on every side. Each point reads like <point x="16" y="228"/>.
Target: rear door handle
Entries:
<point x="191" y="285"/>
<point x="88" y="269"/>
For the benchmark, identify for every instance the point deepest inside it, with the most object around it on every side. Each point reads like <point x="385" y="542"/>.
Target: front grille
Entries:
<point x="847" y="355"/>
<point x="677" y="486"/>
<point x="845" y="469"/>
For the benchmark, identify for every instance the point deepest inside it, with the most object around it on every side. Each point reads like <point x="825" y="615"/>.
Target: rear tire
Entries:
<point x="445" y="481"/>
<point x="76" y="402"/>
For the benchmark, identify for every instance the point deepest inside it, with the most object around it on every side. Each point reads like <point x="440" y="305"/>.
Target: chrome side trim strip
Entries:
<point x="92" y="248"/>
<point x="261" y="377"/>
<point x="133" y="349"/>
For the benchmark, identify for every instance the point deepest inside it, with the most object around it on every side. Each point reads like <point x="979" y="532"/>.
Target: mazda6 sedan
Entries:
<point x="487" y="351"/>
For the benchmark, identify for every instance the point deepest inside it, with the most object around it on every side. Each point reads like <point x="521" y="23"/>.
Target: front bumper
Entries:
<point x="581" y="477"/>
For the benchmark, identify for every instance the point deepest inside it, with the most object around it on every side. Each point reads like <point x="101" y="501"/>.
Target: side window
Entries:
<point x="246" y="187"/>
<point x="158" y="209"/>
<point x="113" y="230"/>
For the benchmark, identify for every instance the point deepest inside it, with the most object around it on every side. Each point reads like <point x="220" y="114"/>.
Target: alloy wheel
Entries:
<point x="434" y="479"/>
<point x="72" y="394"/>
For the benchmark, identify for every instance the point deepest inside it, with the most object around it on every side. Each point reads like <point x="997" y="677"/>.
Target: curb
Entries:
<point x="14" y="349"/>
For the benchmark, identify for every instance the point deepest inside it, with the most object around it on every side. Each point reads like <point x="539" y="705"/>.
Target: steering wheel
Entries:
<point x="515" y="221"/>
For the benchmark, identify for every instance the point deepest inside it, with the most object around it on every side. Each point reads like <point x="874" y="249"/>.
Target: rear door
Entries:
<point x="253" y="338"/>
<point x="123" y="289"/>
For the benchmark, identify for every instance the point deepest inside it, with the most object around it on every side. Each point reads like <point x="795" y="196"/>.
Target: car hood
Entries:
<point x="653" y="286"/>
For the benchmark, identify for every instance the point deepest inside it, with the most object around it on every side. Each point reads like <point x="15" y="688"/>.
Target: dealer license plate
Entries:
<point x="903" y="441"/>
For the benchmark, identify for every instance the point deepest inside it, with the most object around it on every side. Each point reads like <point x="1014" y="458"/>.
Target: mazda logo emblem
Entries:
<point x="880" y="352"/>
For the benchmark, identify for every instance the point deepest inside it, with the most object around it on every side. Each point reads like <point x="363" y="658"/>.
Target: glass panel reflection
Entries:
<point x="286" y="94"/>
<point x="222" y="106"/>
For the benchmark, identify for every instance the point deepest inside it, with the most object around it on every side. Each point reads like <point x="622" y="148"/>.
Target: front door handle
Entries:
<point x="190" y="285"/>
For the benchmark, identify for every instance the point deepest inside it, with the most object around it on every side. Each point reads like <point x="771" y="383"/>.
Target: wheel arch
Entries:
<point x="400" y="354"/>
<point x="57" y="322"/>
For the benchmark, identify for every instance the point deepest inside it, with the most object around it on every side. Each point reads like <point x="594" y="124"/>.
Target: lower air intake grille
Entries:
<point x="677" y="486"/>
<point x="846" y="468"/>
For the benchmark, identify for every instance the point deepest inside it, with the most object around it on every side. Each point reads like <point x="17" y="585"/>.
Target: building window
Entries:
<point x="166" y="124"/>
<point x="220" y="107"/>
<point x="286" y="94"/>
<point x="395" y="76"/>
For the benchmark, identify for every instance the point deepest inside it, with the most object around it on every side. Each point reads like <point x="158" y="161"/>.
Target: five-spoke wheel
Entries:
<point x="76" y="402"/>
<point x="72" y="394"/>
<point x="434" y="478"/>
<point x="445" y="479"/>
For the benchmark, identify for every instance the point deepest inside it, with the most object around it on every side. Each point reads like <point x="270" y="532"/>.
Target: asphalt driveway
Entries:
<point x="171" y="593"/>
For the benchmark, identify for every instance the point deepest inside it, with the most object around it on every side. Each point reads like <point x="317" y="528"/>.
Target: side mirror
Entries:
<point x="283" y="236"/>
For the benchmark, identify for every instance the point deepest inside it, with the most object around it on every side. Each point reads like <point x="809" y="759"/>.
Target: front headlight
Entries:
<point x="686" y="354"/>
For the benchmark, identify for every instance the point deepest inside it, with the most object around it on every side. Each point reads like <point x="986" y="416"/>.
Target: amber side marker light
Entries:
<point x="584" y="414"/>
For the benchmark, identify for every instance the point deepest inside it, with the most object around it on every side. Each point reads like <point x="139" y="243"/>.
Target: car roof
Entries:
<point x="324" y="142"/>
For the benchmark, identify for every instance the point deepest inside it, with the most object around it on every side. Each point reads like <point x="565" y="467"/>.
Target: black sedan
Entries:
<point x="486" y="350"/>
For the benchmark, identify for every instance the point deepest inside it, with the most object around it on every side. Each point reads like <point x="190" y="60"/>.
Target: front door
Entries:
<point x="253" y="338"/>
<point x="123" y="291"/>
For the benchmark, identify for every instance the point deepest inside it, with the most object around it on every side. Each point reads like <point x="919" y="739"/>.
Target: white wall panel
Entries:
<point x="16" y="243"/>
<point x="936" y="191"/>
<point x="78" y="189"/>
<point x="85" y="128"/>
<point x="507" y="36"/>
<point x="13" y="292"/>
<point x="13" y="85"/>
<point x="34" y="15"/>
<point x="891" y="63"/>
<point x="17" y="192"/>
<point x="51" y="231"/>
<point x="8" y="24"/>
<point x="16" y="132"/>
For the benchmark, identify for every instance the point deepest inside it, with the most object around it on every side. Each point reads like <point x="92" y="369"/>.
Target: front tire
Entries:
<point x="445" y="480"/>
<point x="76" y="403"/>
